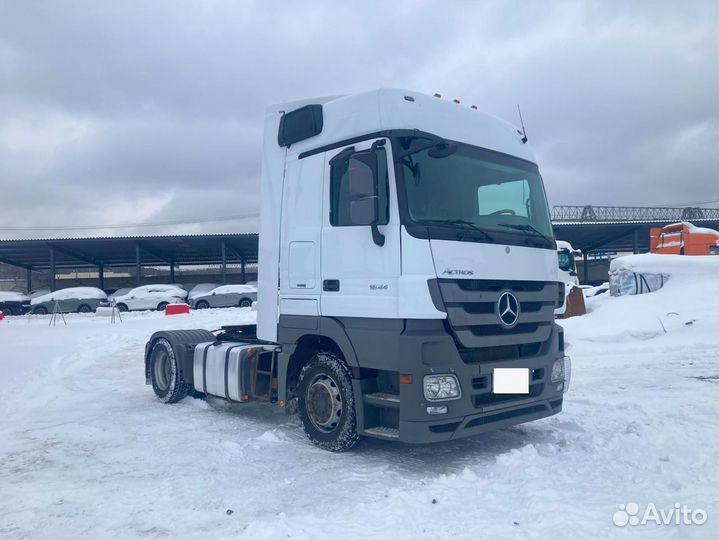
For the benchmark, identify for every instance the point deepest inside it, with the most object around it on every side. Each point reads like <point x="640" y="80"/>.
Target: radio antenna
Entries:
<point x="524" y="132"/>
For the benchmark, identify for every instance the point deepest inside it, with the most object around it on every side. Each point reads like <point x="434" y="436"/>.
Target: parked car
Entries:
<point x="201" y="288"/>
<point x="226" y="296"/>
<point x="70" y="300"/>
<point x="118" y="292"/>
<point x="150" y="297"/>
<point x="14" y="303"/>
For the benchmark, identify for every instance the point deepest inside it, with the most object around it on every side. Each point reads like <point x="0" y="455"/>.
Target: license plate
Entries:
<point x="510" y="381"/>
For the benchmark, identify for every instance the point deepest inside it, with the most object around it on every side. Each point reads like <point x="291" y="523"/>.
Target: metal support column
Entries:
<point x="223" y="269"/>
<point x="242" y="267"/>
<point x="172" y="273"/>
<point x="28" y="278"/>
<point x="635" y="242"/>
<point x="52" y="268"/>
<point x="101" y="275"/>
<point x="138" y="267"/>
<point x="586" y="267"/>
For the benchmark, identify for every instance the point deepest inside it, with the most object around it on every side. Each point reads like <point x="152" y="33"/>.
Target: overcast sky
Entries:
<point x="151" y="111"/>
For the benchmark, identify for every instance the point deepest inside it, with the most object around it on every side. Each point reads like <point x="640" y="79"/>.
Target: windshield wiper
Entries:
<point x="529" y="228"/>
<point x="462" y="223"/>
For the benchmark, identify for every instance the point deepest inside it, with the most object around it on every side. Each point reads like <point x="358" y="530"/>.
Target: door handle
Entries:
<point x="331" y="285"/>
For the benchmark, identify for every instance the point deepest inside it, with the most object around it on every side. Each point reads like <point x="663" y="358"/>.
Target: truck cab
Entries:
<point x="407" y="277"/>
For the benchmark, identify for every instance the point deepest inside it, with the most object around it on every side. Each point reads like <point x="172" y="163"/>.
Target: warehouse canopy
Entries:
<point x="61" y="253"/>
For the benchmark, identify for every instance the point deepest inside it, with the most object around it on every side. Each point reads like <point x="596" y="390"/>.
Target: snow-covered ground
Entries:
<point x="86" y="451"/>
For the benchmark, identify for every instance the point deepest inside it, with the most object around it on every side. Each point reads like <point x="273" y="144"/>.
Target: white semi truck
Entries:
<point x="407" y="278"/>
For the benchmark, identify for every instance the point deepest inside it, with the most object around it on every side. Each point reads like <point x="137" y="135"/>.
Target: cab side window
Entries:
<point x="340" y="195"/>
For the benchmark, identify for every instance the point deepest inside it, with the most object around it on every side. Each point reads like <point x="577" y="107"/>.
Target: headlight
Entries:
<point x="562" y="371"/>
<point x="441" y="387"/>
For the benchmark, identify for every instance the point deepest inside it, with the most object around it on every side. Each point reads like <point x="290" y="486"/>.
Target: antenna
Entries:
<point x="524" y="133"/>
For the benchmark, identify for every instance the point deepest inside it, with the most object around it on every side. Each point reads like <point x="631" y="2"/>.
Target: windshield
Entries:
<point x="466" y="187"/>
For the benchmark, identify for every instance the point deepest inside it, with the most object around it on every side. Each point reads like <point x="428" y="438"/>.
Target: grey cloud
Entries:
<point x="160" y="103"/>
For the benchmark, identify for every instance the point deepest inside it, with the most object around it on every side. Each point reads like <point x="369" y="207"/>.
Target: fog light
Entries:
<point x="442" y="409"/>
<point x="441" y="387"/>
<point x="562" y="371"/>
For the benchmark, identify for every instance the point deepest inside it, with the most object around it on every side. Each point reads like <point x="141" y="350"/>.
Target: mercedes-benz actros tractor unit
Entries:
<point x="407" y="278"/>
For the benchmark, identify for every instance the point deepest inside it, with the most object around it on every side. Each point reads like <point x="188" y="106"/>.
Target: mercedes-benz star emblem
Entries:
<point x="508" y="309"/>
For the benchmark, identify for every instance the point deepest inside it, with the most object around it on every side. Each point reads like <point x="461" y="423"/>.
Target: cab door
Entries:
<point x="360" y="263"/>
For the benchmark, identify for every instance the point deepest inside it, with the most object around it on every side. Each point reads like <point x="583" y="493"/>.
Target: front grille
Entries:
<point x="472" y="313"/>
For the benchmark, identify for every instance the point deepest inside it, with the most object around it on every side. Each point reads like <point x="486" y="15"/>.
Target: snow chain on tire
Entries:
<point x="328" y="379"/>
<point x="167" y="381"/>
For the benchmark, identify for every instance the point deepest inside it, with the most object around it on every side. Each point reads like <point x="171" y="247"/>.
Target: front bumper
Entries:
<point x="431" y="350"/>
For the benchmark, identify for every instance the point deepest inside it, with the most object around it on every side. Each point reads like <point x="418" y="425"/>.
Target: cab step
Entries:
<point x="380" y="399"/>
<point x="383" y="432"/>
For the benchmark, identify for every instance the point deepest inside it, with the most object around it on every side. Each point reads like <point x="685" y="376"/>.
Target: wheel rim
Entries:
<point x="162" y="370"/>
<point x="245" y="303"/>
<point x="162" y="306"/>
<point x="84" y="309"/>
<point x="324" y="403"/>
<point x="202" y="305"/>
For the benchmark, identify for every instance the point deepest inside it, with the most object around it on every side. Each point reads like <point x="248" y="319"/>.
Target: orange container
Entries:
<point x="683" y="239"/>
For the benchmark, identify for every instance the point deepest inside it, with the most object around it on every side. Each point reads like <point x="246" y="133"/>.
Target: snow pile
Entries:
<point x="688" y="300"/>
<point x="71" y="293"/>
<point x="9" y="296"/>
<point x="86" y="450"/>
<point x="694" y="229"/>
<point x="639" y="274"/>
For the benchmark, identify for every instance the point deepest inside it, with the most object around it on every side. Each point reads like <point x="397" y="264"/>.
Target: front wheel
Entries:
<point x="84" y="308"/>
<point x="326" y="403"/>
<point x="40" y="310"/>
<point x="202" y="304"/>
<point x="122" y="307"/>
<point x="165" y="374"/>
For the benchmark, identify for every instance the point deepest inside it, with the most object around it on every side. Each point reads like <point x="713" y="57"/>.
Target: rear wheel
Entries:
<point x="165" y="374"/>
<point x="84" y="308"/>
<point x="161" y="306"/>
<point x="326" y="403"/>
<point x="245" y="302"/>
<point x="40" y="310"/>
<point x="202" y="304"/>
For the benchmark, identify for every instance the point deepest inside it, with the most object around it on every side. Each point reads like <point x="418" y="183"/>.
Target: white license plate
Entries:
<point x="510" y="381"/>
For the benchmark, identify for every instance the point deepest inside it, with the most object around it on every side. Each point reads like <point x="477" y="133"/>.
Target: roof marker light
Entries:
<point x="473" y="107"/>
<point x="408" y="98"/>
<point x="456" y="101"/>
<point x="438" y="95"/>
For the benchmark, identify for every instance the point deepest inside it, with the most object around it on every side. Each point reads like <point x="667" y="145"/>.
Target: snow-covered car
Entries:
<point x="38" y="292"/>
<point x="14" y="303"/>
<point x="226" y="296"/>
<point x="70" y="300"/>
<point x="119" y="292"/>
<point x="150" y="297"/>
<point x="201" y="288"/>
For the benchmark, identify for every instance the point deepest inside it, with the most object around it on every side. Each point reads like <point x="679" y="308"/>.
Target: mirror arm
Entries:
<point x="377" y="236"/>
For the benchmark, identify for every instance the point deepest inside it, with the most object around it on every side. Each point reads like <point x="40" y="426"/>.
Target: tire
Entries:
<point x="165" y="375"/>
<point x="326" y="403"/>
<point x="202" y="304"/>
<point x="40" y="310"/>
<point x="122" y="308"/>
<point x="245" y="302"/>
<point x="162" y="305"/>
<point x="84" y="308"/>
